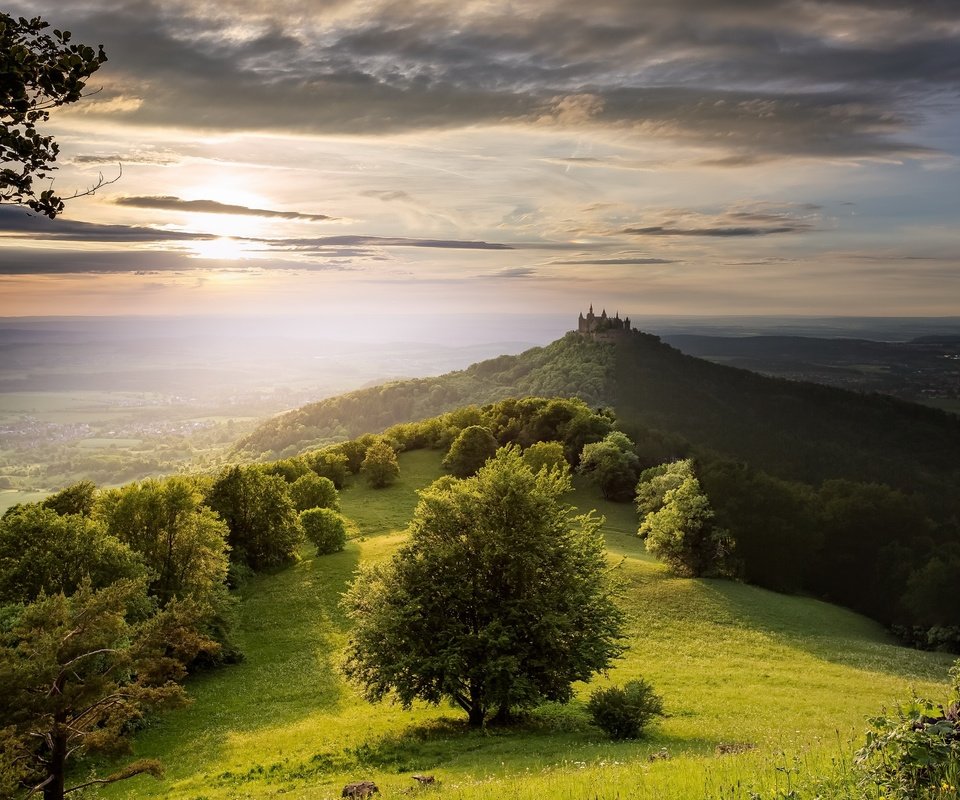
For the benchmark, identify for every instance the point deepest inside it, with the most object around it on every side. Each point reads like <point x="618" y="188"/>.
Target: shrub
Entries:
<point x="915" y="753"/>
<point x="325" y="528"/>
<point x="623" y="713"/>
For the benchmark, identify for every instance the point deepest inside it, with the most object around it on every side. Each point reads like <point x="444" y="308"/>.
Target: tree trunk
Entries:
<point x="475" y="716"/>
<point x="56" y="768"/>
<point x="477" y="711"/>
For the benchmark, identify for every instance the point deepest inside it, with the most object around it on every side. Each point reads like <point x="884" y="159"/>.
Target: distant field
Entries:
<point x="780" y="677"/>
<point x="70" y="407"/>
<point x="10" y="497"/>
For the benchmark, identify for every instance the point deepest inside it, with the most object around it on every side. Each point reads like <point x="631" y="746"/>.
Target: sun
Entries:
<point x="223" y="248"/>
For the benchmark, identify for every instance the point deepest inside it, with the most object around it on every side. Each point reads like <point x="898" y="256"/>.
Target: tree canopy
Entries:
<point x="678" y="522"/>
<point x="76" y="673"/>
<point x="500" y="599"/>
<point x="470" y="451"/>
<point x="380" y="465"/>
<point x="264" y="530"/>
<point x="40" y="72"/>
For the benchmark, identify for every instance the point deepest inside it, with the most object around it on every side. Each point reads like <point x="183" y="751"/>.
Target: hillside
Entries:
<point x="739" y="668"/>
<point x="795" y="430"/>
<point x="569" y="367"/>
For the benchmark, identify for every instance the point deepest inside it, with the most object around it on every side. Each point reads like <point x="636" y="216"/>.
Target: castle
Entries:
<point x="592" y="324"/>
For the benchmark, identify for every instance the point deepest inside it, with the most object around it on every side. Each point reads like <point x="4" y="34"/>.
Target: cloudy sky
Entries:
<point x="651" y="156"/>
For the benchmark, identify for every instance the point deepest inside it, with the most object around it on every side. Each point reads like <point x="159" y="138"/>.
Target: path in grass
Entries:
<point x="736" y="665"/>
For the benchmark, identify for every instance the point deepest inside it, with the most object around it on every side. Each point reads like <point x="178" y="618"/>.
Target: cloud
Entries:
<point x="617" y="261"/>
<point x="744" y="220"/>
<point x="387" y="195"/>
<point x="159" y="158"/>
<point x="751" y="81"/>
<point x="14" y="221"/>
<point x="169" y="203"/>
<point x="322" y="242"/>
<point x="512" y="273"/>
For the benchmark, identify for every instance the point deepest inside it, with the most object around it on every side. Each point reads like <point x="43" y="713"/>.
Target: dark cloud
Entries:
<point x="35" y="261"/>
<point x="512" y="273"/>
<point x="617" y="261"/>
<point x="169" y="203"/>
<point x="14" y="221"/>
<point x="754" y="219"/>
<point x="660" y="230"/>
<point x="322" y="242"/>
<point x="387" y="195"/>
<point x="133" y="157"/>
<point x="753" y="80"/>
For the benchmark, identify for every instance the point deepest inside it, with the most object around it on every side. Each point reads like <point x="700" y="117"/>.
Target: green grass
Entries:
<point x="789" y="677"/>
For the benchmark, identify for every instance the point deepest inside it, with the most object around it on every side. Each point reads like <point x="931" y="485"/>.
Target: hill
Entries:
<point x="751" y="679"/>
<point x="796" y="430"/>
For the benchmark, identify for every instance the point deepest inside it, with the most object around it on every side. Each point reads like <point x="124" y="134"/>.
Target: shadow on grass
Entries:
<point x="828" y="632"/>
<point x="287" y="623"/>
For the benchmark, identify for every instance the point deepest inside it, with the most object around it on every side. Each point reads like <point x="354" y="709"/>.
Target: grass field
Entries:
<point x="786" y="680"/>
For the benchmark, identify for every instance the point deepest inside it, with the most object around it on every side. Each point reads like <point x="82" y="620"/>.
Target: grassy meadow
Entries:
<point x="755" y="684"/>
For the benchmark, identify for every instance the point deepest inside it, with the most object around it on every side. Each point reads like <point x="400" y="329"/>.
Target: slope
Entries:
<point x="795" y="430"/>
<point x="737" y="666"/>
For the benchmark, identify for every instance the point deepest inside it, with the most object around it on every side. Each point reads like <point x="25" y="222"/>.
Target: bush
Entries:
<point x="915" y="753"/>
<point x="623" y="713"/>
<point x="325" y="528"/>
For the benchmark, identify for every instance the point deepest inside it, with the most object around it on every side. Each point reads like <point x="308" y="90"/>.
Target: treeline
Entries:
<point x="570" y="367"/>
<point x="865" y="546"/>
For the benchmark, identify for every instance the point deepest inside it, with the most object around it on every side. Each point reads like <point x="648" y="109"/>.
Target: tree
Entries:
<point x="43" y="552"/>
<point x="264" y="530"/>
<point x="470" y="451"/>
<point x="40" y="72"/>
<point x="380" y="465"/>
<point x="500" y="600"/>
<point x="312" y="491"/>
<point x="331" y="464"/>
<point x="678" y="522"/>
<point x="183" y="543"/>
<point x="77" y="498"/>
<point x="325" y="528"/>
<point x="77" y="673"/>
<point x="545" y="455"/>
<point x="613" y="465"/>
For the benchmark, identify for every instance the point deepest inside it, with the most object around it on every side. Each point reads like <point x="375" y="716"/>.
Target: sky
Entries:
<point x="337" y="157"/>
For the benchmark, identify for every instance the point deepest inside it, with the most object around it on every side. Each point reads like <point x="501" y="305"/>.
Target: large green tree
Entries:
<point x="677" y="522"/>
<point x="613" y="465"/>
<point x="264" y="530"/>
<point x="380" y="466"/>
<point x="77" y="673"/>
<point x="500" y="599"/>
<point x="183" y="543"/>
<point x="39" y="72"/>
<point x="470" y="451"/>
<point x="44" y="552"/>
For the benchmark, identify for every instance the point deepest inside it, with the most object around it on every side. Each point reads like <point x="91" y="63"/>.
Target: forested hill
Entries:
<point x="796" y="430"/>
<point x="569" y="367"/>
